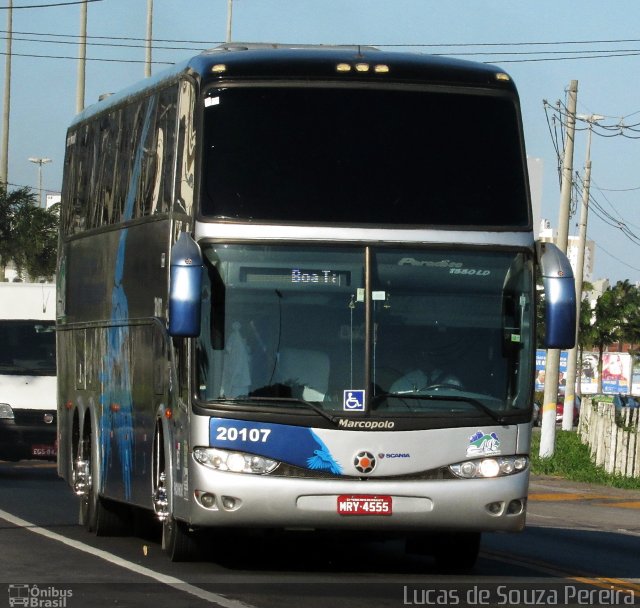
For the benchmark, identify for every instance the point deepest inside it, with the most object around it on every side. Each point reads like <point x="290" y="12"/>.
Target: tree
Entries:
<point x="616" y="318"/>
<point x="28" y="233"/>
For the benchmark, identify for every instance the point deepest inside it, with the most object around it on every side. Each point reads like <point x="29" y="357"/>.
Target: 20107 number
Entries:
<point x="243" y="434"/>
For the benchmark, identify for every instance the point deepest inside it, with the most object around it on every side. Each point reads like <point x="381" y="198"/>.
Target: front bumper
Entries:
<point x="433" y="505"/>
<point x="28" y="436"/>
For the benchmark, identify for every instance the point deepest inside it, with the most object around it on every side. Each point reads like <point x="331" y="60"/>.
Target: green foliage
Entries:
<point x="28" y="233"/>
<point x="572" y="461"/>
<point x="615" y="318"/>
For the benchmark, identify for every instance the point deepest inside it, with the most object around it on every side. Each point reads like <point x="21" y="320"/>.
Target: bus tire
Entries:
<point x="179" y="541"/>
<point x="97" y="514"/>
<point x="112" y="518"/>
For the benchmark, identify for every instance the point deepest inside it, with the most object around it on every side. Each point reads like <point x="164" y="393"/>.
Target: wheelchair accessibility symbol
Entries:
<point x="353" y="401"/>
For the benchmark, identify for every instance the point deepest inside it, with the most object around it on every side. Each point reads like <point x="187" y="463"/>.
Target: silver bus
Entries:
<point x="296" y="290"/>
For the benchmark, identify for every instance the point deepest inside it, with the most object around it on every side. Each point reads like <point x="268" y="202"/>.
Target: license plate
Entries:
<point x="364" y="505"/>
<point x="44" y="450"/>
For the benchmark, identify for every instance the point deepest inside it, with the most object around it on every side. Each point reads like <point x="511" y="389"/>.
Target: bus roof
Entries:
<point x="357" y="63"/>
<point x="251" y="61"/>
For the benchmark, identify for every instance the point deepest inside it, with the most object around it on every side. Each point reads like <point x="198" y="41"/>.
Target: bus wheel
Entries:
<point x="179" y="541"/>
<point x="96" y="514"/>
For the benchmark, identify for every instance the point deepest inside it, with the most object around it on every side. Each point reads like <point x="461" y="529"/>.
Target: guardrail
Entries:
<point x="612" y="435"/>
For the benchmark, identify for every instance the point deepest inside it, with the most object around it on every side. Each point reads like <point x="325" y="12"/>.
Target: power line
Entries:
<point x="594" y="53"/>
<point x="105" y="44"/>
<point x="395" y="45"/>
<point x="618" y="189"/>
<point x="88" y="58"/>
<point x="608" y="56"/>
<point x="615" y="257"/>
<point x="537" y="43"/>
<point x="579" y="54"/>
<point x="4" y="8"/>
<point x="613" y="208"/>
<point x="133" y="38"/>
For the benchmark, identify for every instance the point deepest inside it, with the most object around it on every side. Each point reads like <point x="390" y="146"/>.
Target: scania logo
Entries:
<point x="48" y="418"/>
<point x="364" y="462"/>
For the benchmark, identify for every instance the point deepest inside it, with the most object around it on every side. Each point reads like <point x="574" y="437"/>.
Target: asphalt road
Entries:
<point x="581" y="547"/>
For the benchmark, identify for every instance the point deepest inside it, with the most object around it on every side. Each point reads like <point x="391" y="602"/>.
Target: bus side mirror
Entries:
<point x="185" y="287"/>
<point x="560" y="296"/>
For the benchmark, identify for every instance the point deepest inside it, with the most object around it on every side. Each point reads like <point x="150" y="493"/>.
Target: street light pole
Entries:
<point x="4" y="162"/>
<point x="572" y="360"/>
<point x="82" y="58"/>
<point x="147" y="67"/>
<point x="40" y="161"/>
<point x="229" y="18"/>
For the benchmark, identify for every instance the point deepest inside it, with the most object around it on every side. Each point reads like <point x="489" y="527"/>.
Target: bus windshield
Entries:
<point x="28" y="347"/>
<point x="363" y="156"/>
<point x="445" y="333"/>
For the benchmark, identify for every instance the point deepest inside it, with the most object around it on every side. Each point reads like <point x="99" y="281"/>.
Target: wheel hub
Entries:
<point x="81" y="477"/>
<point x="160" y="500"/>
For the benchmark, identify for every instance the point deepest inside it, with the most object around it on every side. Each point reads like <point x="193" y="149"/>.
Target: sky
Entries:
<point x="542" y="44"/>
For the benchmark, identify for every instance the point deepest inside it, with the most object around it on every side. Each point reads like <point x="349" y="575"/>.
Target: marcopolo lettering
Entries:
<point x="370" y="425"/>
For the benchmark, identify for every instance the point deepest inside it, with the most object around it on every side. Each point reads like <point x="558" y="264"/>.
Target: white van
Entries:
<point x="28" y="415"/>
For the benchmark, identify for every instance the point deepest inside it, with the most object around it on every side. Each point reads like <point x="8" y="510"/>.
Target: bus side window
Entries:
<point x="181" y="352"/>
<point x="165" y="127"/>
<point x="186" y="147"/>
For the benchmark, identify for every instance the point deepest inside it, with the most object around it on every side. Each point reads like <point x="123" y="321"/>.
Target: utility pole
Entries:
<point x="572" y="361"/>
<point x="4" y="162"/>
<point x="82" y="58"/>
<point x="229" y="18"/>
<point x="147" y="65"/>
<point x="548" y="425"/>
<point x="40" y="161"/>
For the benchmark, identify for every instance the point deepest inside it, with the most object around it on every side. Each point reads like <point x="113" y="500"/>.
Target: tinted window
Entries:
<point x="28" y="347"/>
<point x="124" y="155"/>
<point x="363" y="156"/>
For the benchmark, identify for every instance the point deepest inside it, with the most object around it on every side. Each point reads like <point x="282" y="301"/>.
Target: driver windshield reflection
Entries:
<point x="288" y="324"/>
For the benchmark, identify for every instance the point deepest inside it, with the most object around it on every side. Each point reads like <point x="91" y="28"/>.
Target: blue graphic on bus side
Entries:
<point x="116" y="399"/>
<point x="295" y="445"/>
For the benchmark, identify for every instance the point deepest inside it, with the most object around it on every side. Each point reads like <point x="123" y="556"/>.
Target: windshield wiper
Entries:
<point x="308" y="404"/>
<point x="439" y="397"/>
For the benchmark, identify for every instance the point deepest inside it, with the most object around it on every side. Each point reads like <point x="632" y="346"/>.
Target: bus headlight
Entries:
<point x="6" y="412"/>
<point x="490" y="467"/>
<point x="235" y="462"/>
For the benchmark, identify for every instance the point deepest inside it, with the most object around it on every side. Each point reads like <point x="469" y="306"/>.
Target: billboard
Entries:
<point x="619" y="373"/>
<point x="616" y="373"/>
<point x="541" y="360"/>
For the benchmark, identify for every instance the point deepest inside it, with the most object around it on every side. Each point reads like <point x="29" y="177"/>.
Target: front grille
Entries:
<point x="34" y="417"/>
<point x="288" y="470"/>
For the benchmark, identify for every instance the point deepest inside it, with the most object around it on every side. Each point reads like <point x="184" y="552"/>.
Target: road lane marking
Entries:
<point x="626" y="504"/>
<point x="562" y="496"/>
<point x="599" y="500"/>
<point x="630" y="587"/>
<point x="170" y="581"/>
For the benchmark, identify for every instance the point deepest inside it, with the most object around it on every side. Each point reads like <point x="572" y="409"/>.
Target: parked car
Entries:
<point x="632" y="402"/>
<point x="560" y="410"/>
<point x="537" y="414"/>
<point x="621" y="401"/>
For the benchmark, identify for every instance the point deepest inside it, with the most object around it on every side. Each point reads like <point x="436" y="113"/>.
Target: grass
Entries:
<point x="571" y="460"/>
